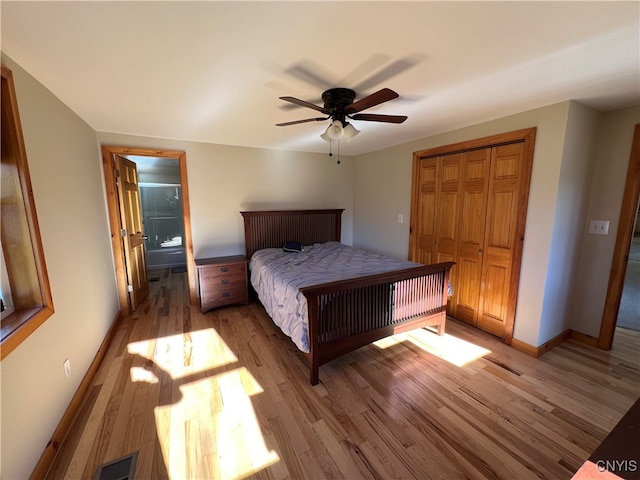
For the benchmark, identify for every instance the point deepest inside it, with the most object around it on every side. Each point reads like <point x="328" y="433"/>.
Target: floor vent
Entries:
<point x="120" y="469"/>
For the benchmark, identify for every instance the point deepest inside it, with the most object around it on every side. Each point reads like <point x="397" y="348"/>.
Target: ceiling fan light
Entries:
<point x="350" y="131"/>
<point x="335" y="130"/>
<point x="325" y="135"/>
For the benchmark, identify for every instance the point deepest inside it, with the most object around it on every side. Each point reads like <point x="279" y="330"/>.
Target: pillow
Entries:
<point x="293" y="247"/>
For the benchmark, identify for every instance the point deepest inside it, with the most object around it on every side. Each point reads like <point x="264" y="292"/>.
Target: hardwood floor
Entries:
<point x="225" y="395"/>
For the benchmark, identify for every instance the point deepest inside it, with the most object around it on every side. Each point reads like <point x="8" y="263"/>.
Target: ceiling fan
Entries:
<point x="339" y="106"/>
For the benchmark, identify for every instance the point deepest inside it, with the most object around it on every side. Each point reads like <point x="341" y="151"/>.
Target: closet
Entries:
<point x="469" y="204"/>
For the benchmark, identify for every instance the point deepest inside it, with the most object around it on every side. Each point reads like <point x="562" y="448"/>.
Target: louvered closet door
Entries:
<point x="498" y="290"/>
<point x="471" y="234"/>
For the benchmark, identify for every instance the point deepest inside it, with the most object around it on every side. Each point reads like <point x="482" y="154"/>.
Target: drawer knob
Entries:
<point x="225" y="294"/>
<point x="225" y="281"/>
<point x="224" y="269"/>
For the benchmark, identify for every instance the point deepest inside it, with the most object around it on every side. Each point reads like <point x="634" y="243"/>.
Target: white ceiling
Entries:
<point x="213" y="71"/>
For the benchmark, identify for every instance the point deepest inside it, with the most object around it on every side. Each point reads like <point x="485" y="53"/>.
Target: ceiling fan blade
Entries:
<point x="372" y="117"/>
<point x="297" y="101"/>
<point x="295" y="122"/>
<point x="372" y="100"/>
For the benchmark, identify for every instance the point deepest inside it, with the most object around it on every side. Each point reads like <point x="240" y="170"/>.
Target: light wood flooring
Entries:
<point x="223" y="395"/>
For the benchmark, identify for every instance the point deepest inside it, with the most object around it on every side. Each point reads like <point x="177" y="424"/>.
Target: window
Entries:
<point x="27" y="285"/>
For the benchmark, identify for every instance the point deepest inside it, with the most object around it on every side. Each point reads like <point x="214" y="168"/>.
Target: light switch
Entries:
<point x="599" y="227"/>
<point x="400" y="218"/>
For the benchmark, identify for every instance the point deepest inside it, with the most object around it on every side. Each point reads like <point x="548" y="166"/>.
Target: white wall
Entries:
<point x="612" y="153"/>
<point x="68" y="188"/>
<point x="571" y="204"/>
<point x="225" y="180"/>
<point x="383" y="189"/>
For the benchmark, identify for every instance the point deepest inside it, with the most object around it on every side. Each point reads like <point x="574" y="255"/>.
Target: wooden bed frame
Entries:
<point x="348" y="314"/>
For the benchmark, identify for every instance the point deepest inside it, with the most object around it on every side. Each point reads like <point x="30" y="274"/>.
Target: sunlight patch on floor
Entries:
<point x="241" y="446"/>
<point x="142" y="374"/>
<point x="451" y="349"/>
<point x="213" y="432"/>
<point x="186" y="353"/>
<point x="207" y="426"/>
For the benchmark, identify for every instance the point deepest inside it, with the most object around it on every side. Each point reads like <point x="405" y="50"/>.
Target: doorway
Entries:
<point x="161" y="202"/>
<point x="114" y="155"/>
<point x="629" y="311"/>
<point x="624" y="238"/>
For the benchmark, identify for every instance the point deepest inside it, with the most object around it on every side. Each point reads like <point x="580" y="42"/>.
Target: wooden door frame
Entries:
<point x="628" y="212"/>
<point x="115" y="222"/>
<point x="528" y="137"/>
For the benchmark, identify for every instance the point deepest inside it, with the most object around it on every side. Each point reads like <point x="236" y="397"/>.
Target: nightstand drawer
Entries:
<point x="218" y="284"/>
<point x="226" y="296"/>
<point x="233" y="271"/>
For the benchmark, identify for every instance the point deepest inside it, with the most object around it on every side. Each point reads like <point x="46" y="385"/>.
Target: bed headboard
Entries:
<point x="272" y="228"/>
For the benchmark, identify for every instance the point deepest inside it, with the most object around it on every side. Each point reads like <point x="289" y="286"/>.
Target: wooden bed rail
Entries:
<point x="347" y="314"/>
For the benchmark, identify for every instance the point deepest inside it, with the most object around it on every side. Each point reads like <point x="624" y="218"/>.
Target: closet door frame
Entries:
<point x="527" y="137"/>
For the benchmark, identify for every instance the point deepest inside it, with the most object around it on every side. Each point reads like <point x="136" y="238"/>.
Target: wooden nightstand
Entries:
<point x="223" y="281"/>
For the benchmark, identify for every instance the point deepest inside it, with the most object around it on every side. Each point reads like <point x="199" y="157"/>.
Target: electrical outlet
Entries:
<point x="599" y="227"/>
<point x="67" y="368"/>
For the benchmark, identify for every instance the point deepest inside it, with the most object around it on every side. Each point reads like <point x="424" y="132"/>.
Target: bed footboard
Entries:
<point x="348" y="314"/>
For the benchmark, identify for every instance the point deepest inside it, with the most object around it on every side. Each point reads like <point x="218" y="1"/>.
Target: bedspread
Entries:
<point x="277" y="277"/>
